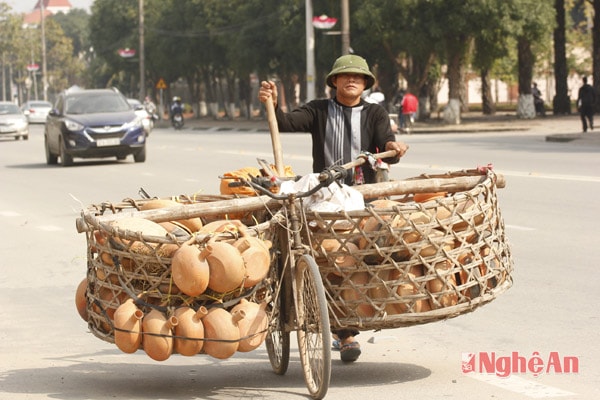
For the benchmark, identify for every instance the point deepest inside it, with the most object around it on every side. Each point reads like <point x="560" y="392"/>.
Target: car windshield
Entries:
<point x="97" y="103"/>
<point x="9" y="109"/>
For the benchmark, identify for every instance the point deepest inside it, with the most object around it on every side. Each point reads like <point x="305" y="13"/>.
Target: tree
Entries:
<point x="561" y="104"/>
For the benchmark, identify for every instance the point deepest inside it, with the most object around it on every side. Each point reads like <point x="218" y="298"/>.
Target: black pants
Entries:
<point x="587" y="115"/>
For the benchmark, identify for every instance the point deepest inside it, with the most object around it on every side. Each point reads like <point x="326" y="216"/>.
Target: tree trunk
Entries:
<point x="561" y="103"/>
<point x="596" y="51"/>
<point x="488" y="105"/>
<point x="525" y="107"/>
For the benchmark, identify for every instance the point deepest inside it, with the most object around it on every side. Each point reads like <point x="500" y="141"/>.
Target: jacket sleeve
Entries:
<point x="383" y="133"/>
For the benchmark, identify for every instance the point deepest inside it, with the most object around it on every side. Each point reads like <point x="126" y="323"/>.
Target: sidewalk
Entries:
<point x="562" y="129"/>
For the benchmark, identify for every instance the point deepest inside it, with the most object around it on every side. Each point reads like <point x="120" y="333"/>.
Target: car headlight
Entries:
<point x="136" y="123"/>
<point x="73" y="126"/>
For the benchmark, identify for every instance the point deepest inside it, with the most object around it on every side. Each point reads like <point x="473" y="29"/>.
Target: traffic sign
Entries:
<point x="161" y="84"/>
<point x="32" y="67"/>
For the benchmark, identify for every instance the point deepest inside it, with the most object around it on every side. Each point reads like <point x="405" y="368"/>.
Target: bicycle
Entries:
<point x="297" y="299"/>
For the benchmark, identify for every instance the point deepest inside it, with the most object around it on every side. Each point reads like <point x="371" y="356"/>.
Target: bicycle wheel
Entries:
<point x="312" y="318"/>
<point x="277" y="341"/>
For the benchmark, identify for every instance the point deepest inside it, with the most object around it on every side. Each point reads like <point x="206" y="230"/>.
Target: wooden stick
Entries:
<point x="275" y="140"/>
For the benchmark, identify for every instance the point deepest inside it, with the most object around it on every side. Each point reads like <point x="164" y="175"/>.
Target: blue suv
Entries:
<point x="95" y="123"/>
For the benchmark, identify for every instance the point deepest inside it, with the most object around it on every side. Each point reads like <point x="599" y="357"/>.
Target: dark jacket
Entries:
<point x="313" y="118"/>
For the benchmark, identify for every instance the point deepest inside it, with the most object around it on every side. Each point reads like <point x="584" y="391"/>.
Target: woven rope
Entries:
<point x="412" y="263"/>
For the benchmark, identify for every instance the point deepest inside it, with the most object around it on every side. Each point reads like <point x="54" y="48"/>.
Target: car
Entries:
<point x="140" y="110"/>
<point x="13" y="122"/>
<point x="93" y="123"/>
<point x="36" y="111"/>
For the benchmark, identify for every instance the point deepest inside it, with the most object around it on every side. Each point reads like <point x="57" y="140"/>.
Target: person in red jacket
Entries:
<point x="410" y="106"/>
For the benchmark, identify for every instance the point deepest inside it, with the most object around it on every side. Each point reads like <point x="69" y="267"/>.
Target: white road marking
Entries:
<point x="523" y="386"/>
<point x="9" y="214"/>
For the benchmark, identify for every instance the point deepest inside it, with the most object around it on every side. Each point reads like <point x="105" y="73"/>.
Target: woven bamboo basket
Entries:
<point x="116" y="271"/>
<point x="405" y="262"/>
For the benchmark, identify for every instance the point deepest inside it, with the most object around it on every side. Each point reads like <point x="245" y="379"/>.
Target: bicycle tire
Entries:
<point x="277" y="341"/>
<point x="314" y="338"/>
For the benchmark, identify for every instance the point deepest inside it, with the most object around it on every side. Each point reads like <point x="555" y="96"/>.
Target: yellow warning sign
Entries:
<point x="161" y="84"/>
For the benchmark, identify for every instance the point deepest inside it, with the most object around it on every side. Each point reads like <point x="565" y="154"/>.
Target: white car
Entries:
<point x="12" y="121"/>
<point x="140" y="110"/>
<point x="36" y="111"/>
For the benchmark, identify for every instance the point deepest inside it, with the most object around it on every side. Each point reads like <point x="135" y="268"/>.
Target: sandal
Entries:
<point x="350" y="352"/>
<point x="335" y="345"/>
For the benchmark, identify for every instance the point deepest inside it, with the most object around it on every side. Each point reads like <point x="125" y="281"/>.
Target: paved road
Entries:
<point x="549" y="208"/>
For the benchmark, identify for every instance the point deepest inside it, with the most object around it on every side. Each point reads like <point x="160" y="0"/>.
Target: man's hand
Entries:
<point x="267" y="91"/>
<point x="400" y="147"/>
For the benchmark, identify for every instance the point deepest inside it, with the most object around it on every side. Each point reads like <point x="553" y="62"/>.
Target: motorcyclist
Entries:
<point x="176" y="107"/>
<point x="150" y="108"/>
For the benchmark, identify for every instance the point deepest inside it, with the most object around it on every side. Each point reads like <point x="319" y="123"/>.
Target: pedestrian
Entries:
<point x="410" y="106"/>
<point x="341" y="128"/>
<point x="585" y="104"/>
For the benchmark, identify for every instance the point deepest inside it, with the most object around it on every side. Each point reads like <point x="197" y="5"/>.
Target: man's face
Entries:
<point x="349" y="85"/>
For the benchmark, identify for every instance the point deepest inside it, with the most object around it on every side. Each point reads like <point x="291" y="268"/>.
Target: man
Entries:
<point x="410" y="106"/>
<point x="341" y="128"/>
<point x="585" y="104"/>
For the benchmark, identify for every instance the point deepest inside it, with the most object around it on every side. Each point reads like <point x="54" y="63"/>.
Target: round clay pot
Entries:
<point x="438" y="285"/>
<point x="253" y="327"/>
<point x="382" y="292"/>
<point x="158" y="335"/>
<point x="221" y="324"/>
<point x="423" y="197"/>
<point x="144" y="226"/>
<point x="189" y="326"/>
<point x="223" y="225"/>
<point x="128" y="326"/>
<point x="81" y="299"/>
<point x="256" y="256"/>
<point x="356" y="296"/>
<point x="192" y="224"/>
<point x="226" y="266"/>
<point x="189" y="270"/>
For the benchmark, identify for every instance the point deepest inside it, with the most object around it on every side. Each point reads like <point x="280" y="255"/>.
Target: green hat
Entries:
<point x="351" y="64"/>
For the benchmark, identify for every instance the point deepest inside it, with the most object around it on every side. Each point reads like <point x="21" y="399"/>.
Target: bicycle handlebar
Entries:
<point x="326" y="177"/>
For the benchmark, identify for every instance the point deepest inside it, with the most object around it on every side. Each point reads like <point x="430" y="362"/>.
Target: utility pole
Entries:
<point x="142" y="58"/>
<point x="310" y="52"/>
<point x="345" y="27"/>
<point x="44" y="69"/>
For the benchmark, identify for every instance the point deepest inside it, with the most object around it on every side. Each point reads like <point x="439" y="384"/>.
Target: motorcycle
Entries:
<point x="177" y="120"/>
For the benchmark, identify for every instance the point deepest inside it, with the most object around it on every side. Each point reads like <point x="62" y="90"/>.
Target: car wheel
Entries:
<point x="140" y="156"/>
<point x="66" y="160"/>
<point x="26" y="137"/>
<point x="51" y="159"/>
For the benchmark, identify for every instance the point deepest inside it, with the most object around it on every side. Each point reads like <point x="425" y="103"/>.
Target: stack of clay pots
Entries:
<point x="191" y="280"/>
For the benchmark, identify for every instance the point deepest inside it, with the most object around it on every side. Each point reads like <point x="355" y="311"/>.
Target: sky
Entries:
<point x="26" y="6"/>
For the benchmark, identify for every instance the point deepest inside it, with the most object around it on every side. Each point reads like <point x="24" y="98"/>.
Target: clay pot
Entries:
<point x="356" y="296"/>
<point x="256" y="256"/>
<point x="423" y="197"/>
<point x="158" y="335"/>
<point x="128" y="327"/>
<point x="189" y="326"/>
<point x="189" y="270"/>
<point x="81" y="299"/>
<point x="431" y="250"/>
<point x="344" y="257"/>
<point x="146" y="227"/>
<point x="253" y="327"/>
<point x="382" y="292"/>
<point x="226" y="266"/>
<point x="446" y="284"/>
<point x="221" y="324"/>
<point x="224" y="225"/>
<point x="192" y="224"/>
<point x="176" y="229"/>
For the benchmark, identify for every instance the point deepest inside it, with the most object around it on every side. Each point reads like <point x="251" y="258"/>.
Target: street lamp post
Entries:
<point x="310" y="52"/>
<point x="142" y="58"/>
<point x="44" y="68"/>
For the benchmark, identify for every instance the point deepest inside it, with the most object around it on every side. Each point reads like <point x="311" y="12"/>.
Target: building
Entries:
<point x="51" y="7"/>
